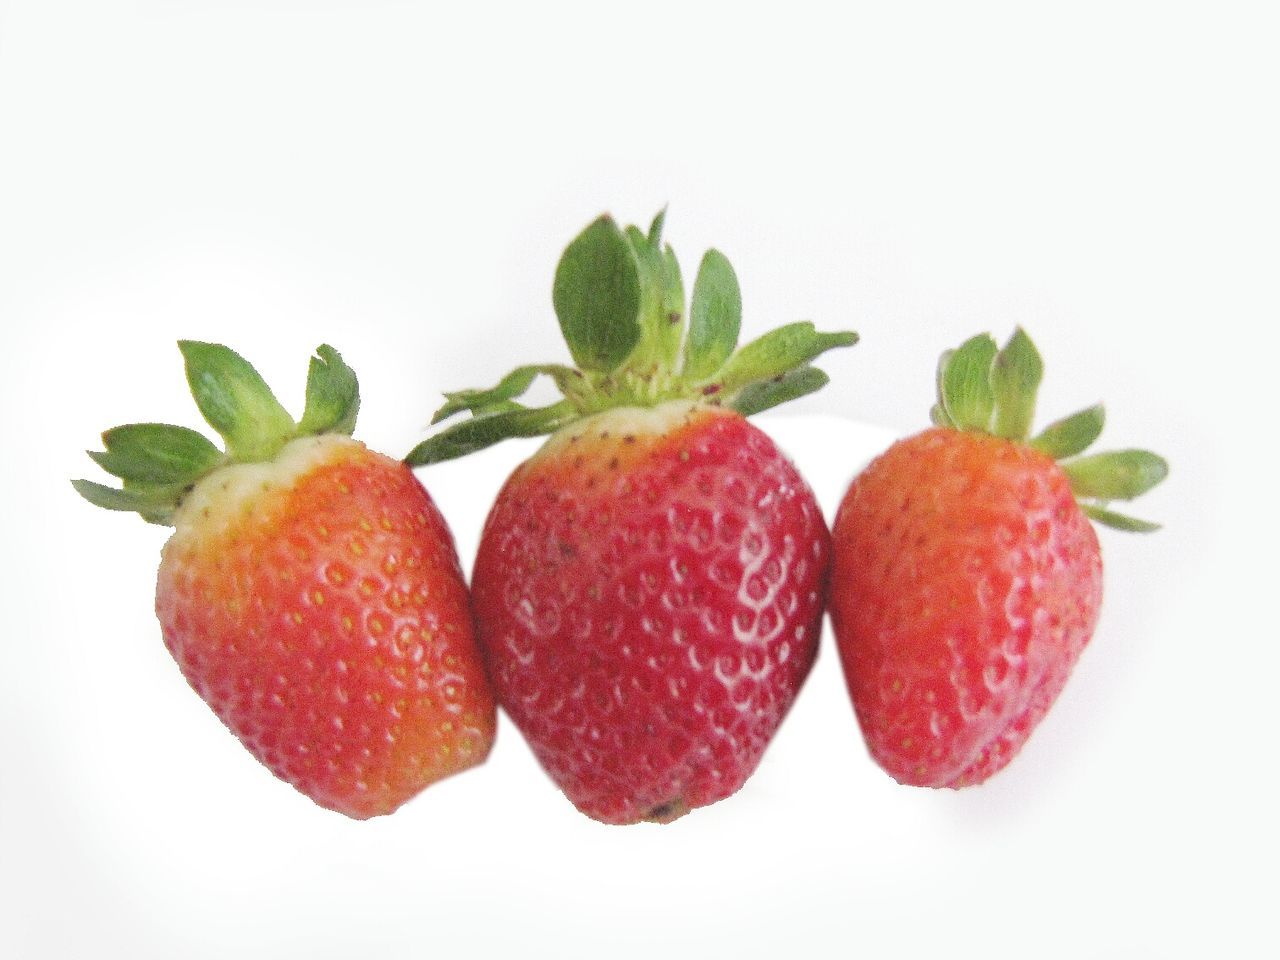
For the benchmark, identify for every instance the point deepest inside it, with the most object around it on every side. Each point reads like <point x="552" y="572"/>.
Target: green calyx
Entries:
<point x="620" y="300"/>
<point x="983" y="388"/>
<point x="158" y="463"/>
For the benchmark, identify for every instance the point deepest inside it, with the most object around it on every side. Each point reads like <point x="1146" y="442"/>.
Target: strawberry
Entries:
<point x="310" y="591"/>
<point x="967" y="577"/>
<point x="649" y="585"/>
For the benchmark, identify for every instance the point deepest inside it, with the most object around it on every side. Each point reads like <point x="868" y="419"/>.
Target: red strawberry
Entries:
<point x="967" y="577"/>
<point x="649" y="586"/>
<point x="310" y="591"/>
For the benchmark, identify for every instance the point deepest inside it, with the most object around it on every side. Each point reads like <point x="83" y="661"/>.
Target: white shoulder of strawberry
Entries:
<point x="159" y="463"/>
<point x="983" y="388"/>
<point x="619" y="298"/>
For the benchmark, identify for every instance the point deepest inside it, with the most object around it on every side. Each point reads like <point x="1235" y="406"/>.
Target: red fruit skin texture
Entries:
<point x="966" y="581"/>
<point x="649" y="597"/>
<point x="325" y="620"/>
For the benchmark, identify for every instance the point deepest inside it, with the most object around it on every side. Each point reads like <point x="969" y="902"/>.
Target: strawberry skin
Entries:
<point x="649" y="586"/>
<point x="310" y="591"/>
<point x="966" y="576"/>
<point x="966" y="583"/>
<point x="315" y="602"/>
<point x="648" y="594"/>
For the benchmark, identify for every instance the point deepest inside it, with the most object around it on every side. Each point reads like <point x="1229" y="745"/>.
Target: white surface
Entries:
<point x="399" y="180"/>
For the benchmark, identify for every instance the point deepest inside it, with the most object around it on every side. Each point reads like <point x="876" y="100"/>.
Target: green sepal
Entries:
<point x="620" y="300"/>
<point x="757" y="397"/>
<point x="775" y="353"/>
<point x="1015" y="380"/>
<point x="1118" y="521"/>
<point x="161" y="499"/>
<point x="661" y="302"/>
<point x="236" y="401"/>
<point x="655" y="228"/>
<point x="1071" y="435"/>
<point x="966" y="391"/>
<point x="715" y="317"/>
<point x="484" y="431"/>
<point x="985" y="390"/>
<point x="156" y="453"/>
<point x="154" y="506"/>
<point x="1118" y="475"/>
<point x="158" y="463"/>
<point x="596" y="295"/>
<point x="673" y="296"/>
<point x="499" y="397"/>
<point x="938" y="412"/>
<point x="333" y="395"/>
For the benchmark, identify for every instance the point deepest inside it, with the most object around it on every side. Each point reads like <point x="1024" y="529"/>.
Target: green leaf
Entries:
<point x="156" y="507"/>
<point x="715" y="316"/>
<point x="596" y="294"/>
<point x="157" y="453"/>
<point x="938" y="412"/>
<point x="655" y="228"/>
<point x="512" y="385"/>
<point x="756" y="397"/>
<point x="1071" y="435"/>
<point x="673" y="296"/>
<point x="661" y="304"/>
<point x="333" y="395"/>
<point x="639" y="241"/>
<point x="484" y="431"/>
<point x="967" y="396"/>
<point x="236" y="401"/>
<point x="1118" y="521"/>
<point x="1015" y="378"/>
<point x="778" y="352"/>
<point x="1119" y="475"/>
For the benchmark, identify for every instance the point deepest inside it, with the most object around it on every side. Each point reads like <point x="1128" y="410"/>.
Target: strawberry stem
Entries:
<point x="158" y="464"/>
<point x="985" y="390"/>
<point x="619" y="297"/>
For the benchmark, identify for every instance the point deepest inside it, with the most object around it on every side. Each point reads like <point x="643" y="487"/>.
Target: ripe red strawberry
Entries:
<point x="967" y="577"/>
<point x="649" y="586"/>
<point x="310" y="592"/>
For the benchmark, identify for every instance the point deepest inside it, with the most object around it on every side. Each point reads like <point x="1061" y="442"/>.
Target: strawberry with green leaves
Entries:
<point x="650" y="584"/>
<point x="310" y="591"/>
<point x="967" y="577"/>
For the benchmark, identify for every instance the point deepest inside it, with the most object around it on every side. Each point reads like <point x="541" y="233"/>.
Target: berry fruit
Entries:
<point x="310" y="592"/>
<point x="650" y="584"/>
<point x="967" y="577"/>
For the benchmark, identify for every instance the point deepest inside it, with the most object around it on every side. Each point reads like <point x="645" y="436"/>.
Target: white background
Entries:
<point x="398" y="179"/>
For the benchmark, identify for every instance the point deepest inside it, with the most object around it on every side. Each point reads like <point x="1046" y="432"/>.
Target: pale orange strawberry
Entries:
<point x="967" y="577"/>
<point x="310" y="592"/>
